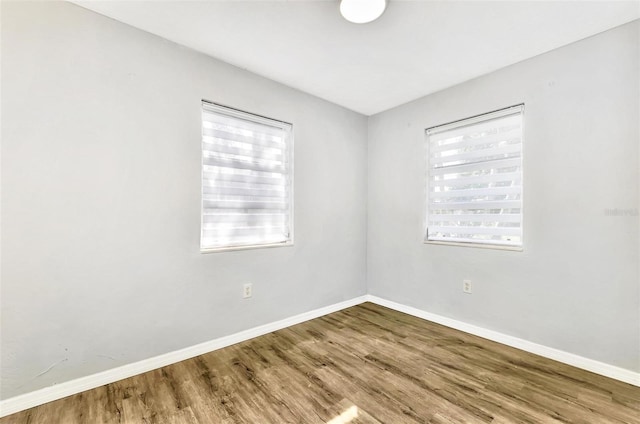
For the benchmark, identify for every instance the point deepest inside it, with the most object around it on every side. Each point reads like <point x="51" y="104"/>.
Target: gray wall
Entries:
<point x="576" y="285"/>
<point x="101" y="195"/>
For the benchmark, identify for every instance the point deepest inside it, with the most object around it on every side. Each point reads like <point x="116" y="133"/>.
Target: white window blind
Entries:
<point x="246" y="179"/>
<point x="475" y="180"/>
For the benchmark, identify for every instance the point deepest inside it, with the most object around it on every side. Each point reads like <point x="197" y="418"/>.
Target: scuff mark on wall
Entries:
<point x="43" y="372"/>
<point x="50" y="368"/>
<point x="108" y="357"/>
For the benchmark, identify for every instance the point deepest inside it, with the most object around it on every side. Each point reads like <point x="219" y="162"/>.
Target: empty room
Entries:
<point x="319" y="211"/>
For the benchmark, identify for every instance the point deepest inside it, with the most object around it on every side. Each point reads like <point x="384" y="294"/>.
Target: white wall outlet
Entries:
<point x="247" y="290"/>
<point x="466" y="286"/>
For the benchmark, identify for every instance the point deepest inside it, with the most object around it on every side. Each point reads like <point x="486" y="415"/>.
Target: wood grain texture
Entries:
<point x="366" y="364"/>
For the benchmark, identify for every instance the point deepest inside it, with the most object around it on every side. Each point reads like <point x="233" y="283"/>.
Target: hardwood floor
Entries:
<point x="365" y="364"/>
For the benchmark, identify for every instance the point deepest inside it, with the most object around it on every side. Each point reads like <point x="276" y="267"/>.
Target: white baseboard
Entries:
<point x="68" y="388"/>
<point x="594" y="366"/>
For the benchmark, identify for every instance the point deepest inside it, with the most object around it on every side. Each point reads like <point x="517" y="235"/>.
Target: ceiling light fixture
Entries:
<point x="362" y="11"/>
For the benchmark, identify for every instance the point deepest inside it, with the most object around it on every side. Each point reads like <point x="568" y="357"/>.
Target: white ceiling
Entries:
<point x="415" y="48"/>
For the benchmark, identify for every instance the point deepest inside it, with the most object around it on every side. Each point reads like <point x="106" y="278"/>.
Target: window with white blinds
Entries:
<point x="475" y="180"/>
<point x="246" y="180"/>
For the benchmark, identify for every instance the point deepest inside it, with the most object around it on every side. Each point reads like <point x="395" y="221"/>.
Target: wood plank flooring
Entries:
<point x="365" y="364"/>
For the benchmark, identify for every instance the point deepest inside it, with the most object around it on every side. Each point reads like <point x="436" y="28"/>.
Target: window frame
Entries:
<point x="232" y="112"/>
<point x="460" y="123"/>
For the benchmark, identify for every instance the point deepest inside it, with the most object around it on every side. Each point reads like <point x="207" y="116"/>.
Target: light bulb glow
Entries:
<point x="362" y="11"/>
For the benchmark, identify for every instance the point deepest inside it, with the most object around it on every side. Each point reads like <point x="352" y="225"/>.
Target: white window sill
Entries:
<point x="248" y="247"/>
<point x="478" y="245"/>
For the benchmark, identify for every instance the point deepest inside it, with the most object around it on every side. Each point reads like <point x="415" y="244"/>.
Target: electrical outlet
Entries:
<point x="247" y="290"/>
<point x="466" y="286"/>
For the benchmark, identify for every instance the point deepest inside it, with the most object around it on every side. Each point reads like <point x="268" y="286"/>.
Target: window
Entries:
<point x="475" y="180"/>
<point x="246" y="180"/>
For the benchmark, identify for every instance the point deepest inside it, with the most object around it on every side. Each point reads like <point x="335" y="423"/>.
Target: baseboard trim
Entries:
<point x="577" y="361"/>
<point x="72" y="387"/>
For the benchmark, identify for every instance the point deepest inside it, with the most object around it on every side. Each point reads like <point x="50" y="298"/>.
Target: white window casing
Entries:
<point x="474" y="193"/>
<point x="247" y="180"/>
